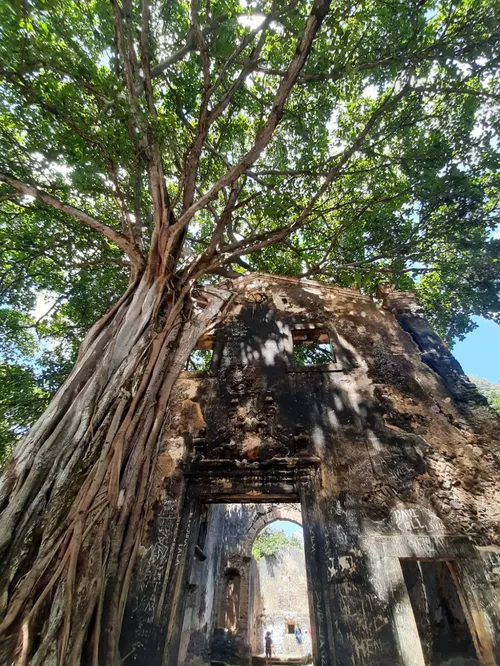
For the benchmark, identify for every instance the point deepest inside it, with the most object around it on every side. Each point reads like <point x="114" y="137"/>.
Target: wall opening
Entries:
<point x="202" y="533"/>
<point x="200" y="359"/>
<point x="441" y="620"/>
<point x="312" y="347"/>
<point x="242" y="583"/>
<point x="279" y="601"/>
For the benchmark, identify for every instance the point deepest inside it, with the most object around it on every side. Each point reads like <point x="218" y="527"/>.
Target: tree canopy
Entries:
<point x="270" y="542"/>
<point x="352" y="143"/>
<point x="490" y="390"/>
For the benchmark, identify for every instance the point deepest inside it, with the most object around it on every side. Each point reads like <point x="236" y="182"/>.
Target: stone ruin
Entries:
<point x="353" y="411"/>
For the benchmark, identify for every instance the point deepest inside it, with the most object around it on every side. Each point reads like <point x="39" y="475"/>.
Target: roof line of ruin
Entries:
<point x="250" y="277"/>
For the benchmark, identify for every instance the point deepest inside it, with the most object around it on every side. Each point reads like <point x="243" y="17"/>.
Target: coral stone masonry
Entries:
<point x="346" y="415"/>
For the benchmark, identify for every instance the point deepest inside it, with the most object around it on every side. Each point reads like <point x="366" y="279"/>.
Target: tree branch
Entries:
<point x="190" y="44"/>
<point x="319" y="11"/>
<point x="431" y="52"/>
<point x="190" y="171"/>
<point x="261" y="241"/>
<point x="136" y="258"/>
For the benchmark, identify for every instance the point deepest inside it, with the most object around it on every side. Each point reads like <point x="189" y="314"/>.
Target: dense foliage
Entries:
<point x="490" y="390"/>
<point x="269" y="543"/>
<point x="150" y="146"/>
<point x="381" y="164"/>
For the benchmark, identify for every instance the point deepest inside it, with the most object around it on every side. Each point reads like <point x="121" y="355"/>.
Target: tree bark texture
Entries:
<point x="76" y="495"/>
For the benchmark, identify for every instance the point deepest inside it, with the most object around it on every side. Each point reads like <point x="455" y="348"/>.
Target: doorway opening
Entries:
<point x="279" y="595"/>
<point x="442" y="623"/>
<point x="248" y="576"/>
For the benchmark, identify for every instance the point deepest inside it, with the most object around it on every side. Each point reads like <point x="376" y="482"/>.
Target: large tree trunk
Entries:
<point x="75" y="497"/>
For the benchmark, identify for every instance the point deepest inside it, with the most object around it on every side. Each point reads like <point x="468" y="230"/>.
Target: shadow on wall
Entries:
<point x="258" y="405"/>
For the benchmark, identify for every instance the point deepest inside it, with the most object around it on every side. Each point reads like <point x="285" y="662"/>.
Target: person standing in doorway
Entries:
<point x="269" y="647"/>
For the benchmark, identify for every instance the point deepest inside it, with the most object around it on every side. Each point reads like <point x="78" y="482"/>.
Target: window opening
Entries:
<point x="290" y="628"/>
<point x="200" y="359"/>
<point x="312" y="347"/>
<point x="441" y="622"/>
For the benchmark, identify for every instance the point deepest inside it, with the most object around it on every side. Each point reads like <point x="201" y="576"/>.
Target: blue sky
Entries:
<point x="286" y="526"/>
<point x="479" y="353"/>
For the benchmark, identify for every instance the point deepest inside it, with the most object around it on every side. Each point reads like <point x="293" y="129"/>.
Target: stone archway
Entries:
<point x="268" y="513"/>
<point x="265" y="514"/>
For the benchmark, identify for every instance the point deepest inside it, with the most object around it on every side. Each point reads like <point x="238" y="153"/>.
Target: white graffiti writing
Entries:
<point x="321" y="632"/>
<point x="415" y="520"/>
<point x="182" y="546"/>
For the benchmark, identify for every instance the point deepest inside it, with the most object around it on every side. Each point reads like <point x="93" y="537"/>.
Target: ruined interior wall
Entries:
<point x="407" y="451"/>
<point x="284" y="597"/>
<point x="200" y="611"/>
<point x="141" y="638"/>
<point x="256" y="629"/>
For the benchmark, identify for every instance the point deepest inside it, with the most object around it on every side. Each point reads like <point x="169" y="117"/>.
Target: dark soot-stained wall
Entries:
<point x="390" y="453"/>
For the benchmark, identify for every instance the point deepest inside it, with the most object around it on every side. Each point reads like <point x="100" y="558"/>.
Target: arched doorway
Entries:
<point x="278" y="599"/>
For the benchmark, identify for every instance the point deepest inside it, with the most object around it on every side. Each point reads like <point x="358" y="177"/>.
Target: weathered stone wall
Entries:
<point x="283" y="594"/>
<point x="391" y="452"/>
<point x="199" y="617"/>
<point x="256" y="628"/>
